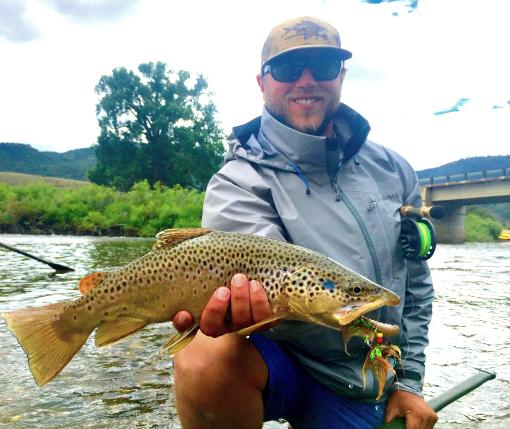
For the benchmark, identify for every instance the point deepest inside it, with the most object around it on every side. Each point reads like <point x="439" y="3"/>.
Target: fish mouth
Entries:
<point x="347" y="314"/>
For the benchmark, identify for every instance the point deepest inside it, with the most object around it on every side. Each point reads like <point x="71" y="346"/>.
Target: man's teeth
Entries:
<point x="305" y="100"/>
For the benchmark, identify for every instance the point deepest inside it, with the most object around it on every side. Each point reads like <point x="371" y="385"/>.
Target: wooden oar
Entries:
<point x="57" y="267"/>
<point x="448" y="397"/>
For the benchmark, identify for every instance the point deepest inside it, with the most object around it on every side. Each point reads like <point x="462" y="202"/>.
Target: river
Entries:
<point x="129" y="384"/>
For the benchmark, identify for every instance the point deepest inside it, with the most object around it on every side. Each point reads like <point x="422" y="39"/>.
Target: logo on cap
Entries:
<point x="306" y="30"/>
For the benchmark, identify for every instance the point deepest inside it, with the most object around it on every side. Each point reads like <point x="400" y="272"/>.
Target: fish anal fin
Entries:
<point x="114" y="330"/>
<point x="172" y="237"/>
<point x="180" y="340"/>
<point x="267" y="323"/>
<point x="90" y="281"/>
<point x="46" y="339"/>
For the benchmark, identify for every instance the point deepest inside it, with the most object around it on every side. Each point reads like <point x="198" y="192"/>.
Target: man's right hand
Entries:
<point x="228" y="310"/>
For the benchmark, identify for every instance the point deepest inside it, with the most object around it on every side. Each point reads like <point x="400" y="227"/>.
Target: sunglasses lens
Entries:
<point x="326" y="70"/>
<point x="287" y="72"/>
<point x="291" y="71"/>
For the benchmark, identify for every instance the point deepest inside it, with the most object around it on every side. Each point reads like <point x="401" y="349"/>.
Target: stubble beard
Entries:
<point x="313" y="124"/>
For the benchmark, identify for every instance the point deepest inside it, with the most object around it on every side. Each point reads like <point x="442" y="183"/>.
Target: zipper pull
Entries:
<point x="336" y="189"/>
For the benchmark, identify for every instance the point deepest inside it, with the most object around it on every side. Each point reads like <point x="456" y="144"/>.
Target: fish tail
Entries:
<point x="47" y="339"/>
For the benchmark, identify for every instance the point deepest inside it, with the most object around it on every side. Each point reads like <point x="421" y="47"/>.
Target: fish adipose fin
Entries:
<point x="172" y="237"/>
<point x="115" y="330"/>
<point x="46" y="339"/>
<point x="265" y="323"/>
<point x="90" y="281"/>
<point x="180" y="340"/>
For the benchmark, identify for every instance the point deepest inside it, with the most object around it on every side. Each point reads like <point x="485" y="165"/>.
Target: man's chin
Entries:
<point x="309" y="127"/>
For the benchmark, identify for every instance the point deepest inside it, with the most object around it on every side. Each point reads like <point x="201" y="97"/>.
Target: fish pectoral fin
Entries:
<point x="115" y="330"/>
<point x="265" y="323"/>
<point x="90" y="281"/>
<point x="180" y="340"/>
<point x="172" y="237"/>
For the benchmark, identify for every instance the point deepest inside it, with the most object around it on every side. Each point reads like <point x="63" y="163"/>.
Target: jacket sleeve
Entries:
<point x="417" y="313"/>
<point x="238" y="200"/>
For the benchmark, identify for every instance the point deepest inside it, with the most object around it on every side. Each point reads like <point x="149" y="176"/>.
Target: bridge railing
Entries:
<point x="461" y="177"/>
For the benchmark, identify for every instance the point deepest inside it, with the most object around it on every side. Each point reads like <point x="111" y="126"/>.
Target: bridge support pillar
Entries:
<point x="450" y="229"/>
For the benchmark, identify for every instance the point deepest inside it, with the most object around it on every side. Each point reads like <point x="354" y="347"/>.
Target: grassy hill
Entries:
<point x="23" y="158"/>
<point x="21" y="179"/>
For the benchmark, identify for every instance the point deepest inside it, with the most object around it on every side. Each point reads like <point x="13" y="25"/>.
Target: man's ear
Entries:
<point x="343" y="73"/>
<point x="260" y="81"/>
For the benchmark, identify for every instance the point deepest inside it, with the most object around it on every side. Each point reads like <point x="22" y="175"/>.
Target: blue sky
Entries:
<point x="433" y="80"/>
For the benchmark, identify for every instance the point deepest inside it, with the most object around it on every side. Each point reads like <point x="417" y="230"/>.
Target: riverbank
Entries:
<point x="85" y="209"/>
<point x="40" y="208"/>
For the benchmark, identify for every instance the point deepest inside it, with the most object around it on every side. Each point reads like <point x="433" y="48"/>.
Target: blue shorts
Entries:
<point x="294" y="395"/>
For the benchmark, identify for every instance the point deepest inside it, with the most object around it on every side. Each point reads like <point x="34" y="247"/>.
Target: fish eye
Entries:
<point x="328" y="284"/>
<point x="357" y="290"/>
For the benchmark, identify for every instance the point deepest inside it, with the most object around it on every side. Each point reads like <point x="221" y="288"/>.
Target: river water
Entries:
<point x="129" y="384"/>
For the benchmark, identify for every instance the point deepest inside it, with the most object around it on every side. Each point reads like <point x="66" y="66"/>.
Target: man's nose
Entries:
<point x="306" y="78"/>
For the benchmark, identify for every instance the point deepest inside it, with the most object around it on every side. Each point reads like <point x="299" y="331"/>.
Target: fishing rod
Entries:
<point x="57" y="267"/>
<point x="446" y="398"/>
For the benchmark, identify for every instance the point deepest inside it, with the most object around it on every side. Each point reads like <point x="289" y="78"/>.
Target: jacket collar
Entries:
<point x="265" y="138"/>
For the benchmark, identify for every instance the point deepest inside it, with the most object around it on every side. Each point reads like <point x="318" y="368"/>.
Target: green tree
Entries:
<point x="156" y="125"/>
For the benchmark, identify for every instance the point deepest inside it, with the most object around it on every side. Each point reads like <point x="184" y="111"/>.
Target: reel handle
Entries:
<point x="435" y="212"/>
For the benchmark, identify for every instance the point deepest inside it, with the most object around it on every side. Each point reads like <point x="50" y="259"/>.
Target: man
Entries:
<point x="304" y="172"/>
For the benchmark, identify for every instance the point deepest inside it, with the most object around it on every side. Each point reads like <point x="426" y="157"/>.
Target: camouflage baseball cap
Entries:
<point x="302" y="33"/>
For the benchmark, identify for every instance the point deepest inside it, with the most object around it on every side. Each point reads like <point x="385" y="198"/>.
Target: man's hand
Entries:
<point x="244" y="304"/>
<point x="413" y="408"/>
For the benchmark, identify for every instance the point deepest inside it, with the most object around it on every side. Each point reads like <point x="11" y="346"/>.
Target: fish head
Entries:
<point x="333" y="295"/>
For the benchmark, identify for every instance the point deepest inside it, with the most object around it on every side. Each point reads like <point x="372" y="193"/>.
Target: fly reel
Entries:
<point x="417" y="234"/>
<point x="417" y="238"/>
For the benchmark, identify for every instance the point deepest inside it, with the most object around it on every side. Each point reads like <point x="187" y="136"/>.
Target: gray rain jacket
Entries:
<point x="340" y="197"/>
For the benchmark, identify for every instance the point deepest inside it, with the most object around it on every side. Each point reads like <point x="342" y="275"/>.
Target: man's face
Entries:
<point x="305" y="103"/>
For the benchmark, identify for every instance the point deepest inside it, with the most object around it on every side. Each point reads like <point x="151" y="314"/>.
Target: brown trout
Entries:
<point x="181" y="272"/>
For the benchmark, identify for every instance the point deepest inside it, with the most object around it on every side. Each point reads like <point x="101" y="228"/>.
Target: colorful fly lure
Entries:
<point x="379" y="349"/>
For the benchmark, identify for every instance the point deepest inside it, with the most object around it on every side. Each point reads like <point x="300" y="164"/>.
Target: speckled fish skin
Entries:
<point x="181" y="273"/>
<point x="167" y="280"/>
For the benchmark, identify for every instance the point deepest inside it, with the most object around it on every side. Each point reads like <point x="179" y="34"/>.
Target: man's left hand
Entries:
<point x="413" y="408"/>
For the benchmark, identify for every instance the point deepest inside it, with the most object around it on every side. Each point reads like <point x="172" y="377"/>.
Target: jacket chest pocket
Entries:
<point x="380" y="220"/>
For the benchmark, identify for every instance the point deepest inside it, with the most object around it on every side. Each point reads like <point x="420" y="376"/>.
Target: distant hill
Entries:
<point x="74" y="164"/>
<point x="467" y="165"/>
<point x="23" y="158"/>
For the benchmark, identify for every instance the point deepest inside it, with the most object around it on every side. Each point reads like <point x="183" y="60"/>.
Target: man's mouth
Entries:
<point x="306" y="101"/>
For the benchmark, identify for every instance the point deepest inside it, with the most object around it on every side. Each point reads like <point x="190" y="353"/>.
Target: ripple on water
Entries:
<point x="129" y="384"/>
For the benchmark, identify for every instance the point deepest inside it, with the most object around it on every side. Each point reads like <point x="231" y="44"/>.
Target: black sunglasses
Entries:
<point x="291" y="70"/>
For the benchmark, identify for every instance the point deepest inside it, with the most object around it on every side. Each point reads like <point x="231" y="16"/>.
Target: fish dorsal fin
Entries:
<point x="90" y="281"/>
<point x="172" y="237"/>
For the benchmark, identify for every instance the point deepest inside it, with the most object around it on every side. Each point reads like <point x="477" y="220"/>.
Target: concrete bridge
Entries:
<point x="455" y="192"/>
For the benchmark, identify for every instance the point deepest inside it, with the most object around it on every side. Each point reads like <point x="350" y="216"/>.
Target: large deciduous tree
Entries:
<point x="157" y="125"/>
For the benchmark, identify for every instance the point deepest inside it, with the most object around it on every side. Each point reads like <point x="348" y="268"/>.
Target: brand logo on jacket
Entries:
<point x="392" y="197"/>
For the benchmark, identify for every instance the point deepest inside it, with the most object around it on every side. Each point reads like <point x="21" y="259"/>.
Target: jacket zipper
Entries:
<point x="341" y="196"/>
